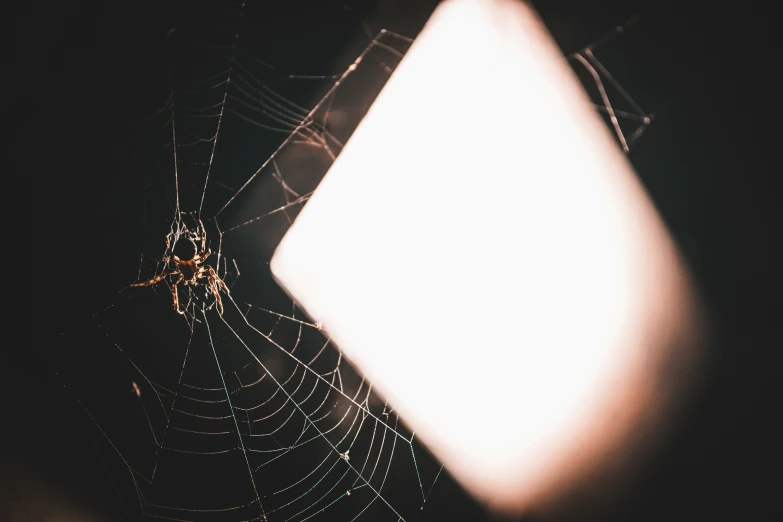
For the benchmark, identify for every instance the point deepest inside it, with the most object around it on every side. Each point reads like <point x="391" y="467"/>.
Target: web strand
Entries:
<point x="306" y="121"/>
<point x="222" y="110"/>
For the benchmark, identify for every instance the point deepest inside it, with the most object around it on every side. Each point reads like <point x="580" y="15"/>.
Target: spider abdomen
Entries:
<point x="188" y="269"/>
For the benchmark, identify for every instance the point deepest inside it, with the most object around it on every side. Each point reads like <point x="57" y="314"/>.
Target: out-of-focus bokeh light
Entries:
<point x="482" y="250"/>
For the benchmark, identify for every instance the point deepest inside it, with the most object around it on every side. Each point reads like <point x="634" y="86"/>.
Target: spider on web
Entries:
<point x="188" y="272"/>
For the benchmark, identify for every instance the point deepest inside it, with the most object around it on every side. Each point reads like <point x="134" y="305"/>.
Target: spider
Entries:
<point x="190" y="271"/>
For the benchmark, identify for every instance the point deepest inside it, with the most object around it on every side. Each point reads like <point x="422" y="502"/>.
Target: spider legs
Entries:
<point x="216" y="279"/>
<point x="203" y="253"/>
<point x="177" y="278"/>
<point x="216" y="284"/>
<point x="154" y="280"/>
<point x="203" y="233"/>
<point x="175" y="294"/>
<point x="168" y="242"/>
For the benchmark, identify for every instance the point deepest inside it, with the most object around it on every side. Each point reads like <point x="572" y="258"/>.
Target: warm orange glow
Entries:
<point x="482" y="250"/>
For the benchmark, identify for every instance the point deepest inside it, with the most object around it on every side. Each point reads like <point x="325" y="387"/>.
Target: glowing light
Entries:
<point x="482" y="250"/>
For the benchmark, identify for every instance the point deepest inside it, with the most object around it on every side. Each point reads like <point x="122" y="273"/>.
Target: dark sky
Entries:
<point x="86" y="70"/>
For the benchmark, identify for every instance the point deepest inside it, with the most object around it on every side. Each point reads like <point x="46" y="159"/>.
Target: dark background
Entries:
<point x="709" y="161"/>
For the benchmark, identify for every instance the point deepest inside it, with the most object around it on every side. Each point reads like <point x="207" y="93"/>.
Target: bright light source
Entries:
<point x="483" y="252"/>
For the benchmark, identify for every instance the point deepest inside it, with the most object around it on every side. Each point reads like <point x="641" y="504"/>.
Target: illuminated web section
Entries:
<point x="252" y="414"/>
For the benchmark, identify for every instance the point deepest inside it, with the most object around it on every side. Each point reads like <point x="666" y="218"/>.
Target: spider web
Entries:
<point x="253" y="414"/>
